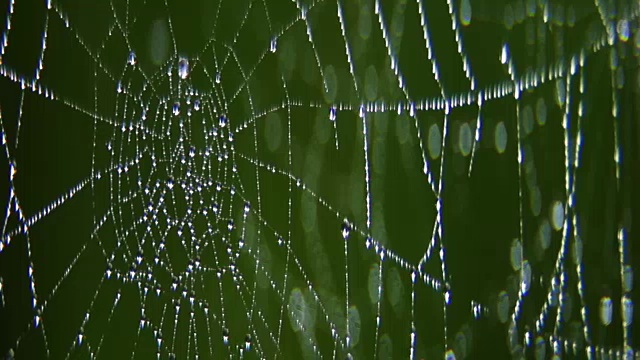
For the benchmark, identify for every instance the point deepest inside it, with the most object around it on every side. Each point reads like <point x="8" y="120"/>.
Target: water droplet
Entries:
<point x="225" y="336"/>
<point x="623" y="30"/>
<point x="196" y="104"/>
<point x="176" y="108"/>
<point x="247" y="207"/>
<point x="504" y="57"/>
<point x="119" y="87"/>
<point x="37" y="319"/>
<point x="274" y="44"/>
<point x="230" y="225"/>
<point x="80" y="337"/>
<point x="218" y="78"/>
<point x="332" y="113"/>
<point x="108" y="272"/>
<point x="139" y="258"/>
<point x="183" y="68"/>
<point x="247" y="342"/>
<point x="346" y="229"/>
<point x="450" y="355"/>
<point x="222" y="121"/>
<point x="132" y="58"/>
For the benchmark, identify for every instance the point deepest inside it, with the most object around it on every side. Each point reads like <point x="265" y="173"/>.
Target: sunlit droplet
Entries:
<point x="346" y="229"/>
<point x="450" y="355"/>
<point x="623" y="30"/>
<point x="504" y="56"/>
<point x="80" y="337"/>
<point x="225" y="336"/>
<point x="132" y="58"/>
<point x="183" y="68"/>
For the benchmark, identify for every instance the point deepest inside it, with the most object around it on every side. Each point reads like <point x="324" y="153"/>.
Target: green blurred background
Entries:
<point x="60" y="143"/>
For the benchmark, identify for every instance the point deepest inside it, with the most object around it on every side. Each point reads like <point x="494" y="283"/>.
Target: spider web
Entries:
<point x="366" y="179"/>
